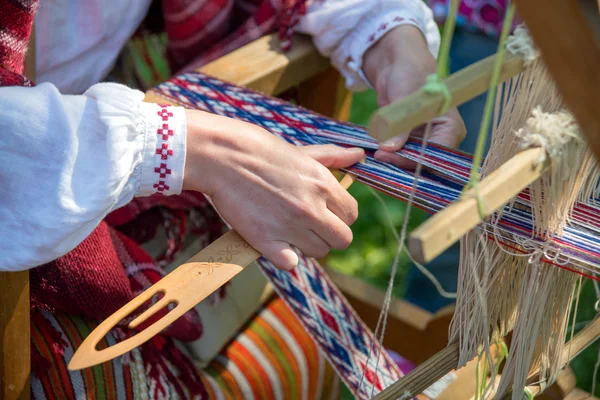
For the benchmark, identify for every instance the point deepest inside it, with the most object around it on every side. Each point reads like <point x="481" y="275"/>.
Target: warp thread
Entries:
<point x="500" y="291"/>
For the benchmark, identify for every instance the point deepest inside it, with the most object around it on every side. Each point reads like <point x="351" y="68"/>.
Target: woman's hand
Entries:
<point x="396" y="66"/>
<point x="272" y="193"/>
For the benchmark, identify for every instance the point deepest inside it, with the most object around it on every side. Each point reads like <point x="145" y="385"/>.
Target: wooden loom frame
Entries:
<point x="561" y="58"/>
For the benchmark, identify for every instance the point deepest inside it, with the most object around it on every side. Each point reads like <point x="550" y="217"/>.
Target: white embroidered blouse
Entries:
<point x="69" y="160"/>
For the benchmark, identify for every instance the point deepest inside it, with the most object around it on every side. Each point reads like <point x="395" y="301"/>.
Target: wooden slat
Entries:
<point x="420" y="107"/>
<point x="14" y="335"/>
<point x="423" y="376"/>
<point x="261" y="66"/>
<point x="443" y="229"/>
<point x="578" y="394"/>
<point x="572" y="56"/>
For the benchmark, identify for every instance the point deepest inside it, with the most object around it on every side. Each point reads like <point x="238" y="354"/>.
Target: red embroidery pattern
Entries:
<point x="383" y="28"/>
<point x="164" y="132"/>
<point x="162" y="171"/>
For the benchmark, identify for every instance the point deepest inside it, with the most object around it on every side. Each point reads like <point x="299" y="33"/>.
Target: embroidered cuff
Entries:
<point x="164" y="129"/>
<point x="373" y="27"/>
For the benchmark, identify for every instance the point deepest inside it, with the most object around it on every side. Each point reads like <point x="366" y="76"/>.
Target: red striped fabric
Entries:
<point x="271" y="358"/>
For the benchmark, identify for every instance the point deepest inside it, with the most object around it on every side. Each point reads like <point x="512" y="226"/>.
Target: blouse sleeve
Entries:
<point x="67" y="161"/>
<point x="345" y="29"/>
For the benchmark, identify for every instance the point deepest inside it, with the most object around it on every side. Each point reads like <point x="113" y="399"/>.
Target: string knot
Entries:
<point x="434" y="85"/>
<point x="521" y="43"/>
<point x="550" y="131"/>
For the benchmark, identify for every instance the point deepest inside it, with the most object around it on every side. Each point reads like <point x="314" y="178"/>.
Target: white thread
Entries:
<point x="595" y="374"/>
<point x="383" y="315"/>
<point x="520" y="43"/>
<point x="520" y="293"/>
<point x="428" y="274"/>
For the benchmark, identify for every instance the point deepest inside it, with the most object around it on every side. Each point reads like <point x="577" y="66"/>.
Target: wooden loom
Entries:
<point x="571" y="52"/>
<point x="577" y="89"/>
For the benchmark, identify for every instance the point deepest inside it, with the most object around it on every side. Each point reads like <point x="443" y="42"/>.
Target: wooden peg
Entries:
<point x="420" y="107"/>
<point x="446" y="227"/>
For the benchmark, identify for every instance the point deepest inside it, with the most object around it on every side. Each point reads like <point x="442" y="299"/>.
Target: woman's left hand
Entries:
<point x="396" y="66"/>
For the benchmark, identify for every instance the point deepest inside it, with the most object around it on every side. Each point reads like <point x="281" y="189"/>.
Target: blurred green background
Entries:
<point x="372" y="252"/>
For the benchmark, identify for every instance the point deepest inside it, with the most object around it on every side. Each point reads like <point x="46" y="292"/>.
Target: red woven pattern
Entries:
<point x="200" y="31"/>
<point x="16" y="19"/>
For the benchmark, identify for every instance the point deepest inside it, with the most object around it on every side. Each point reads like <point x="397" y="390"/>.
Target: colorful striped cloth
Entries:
<point x="441" y="185"/>
<point x="271" y="358"/>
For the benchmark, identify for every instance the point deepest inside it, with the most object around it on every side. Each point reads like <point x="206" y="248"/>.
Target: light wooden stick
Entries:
<point x="185" y="287"/>
<point x="423" y="376"/>
<point x="446" y="360"/>
<point x="446" y="227"/>
<point x="420" y="107"/>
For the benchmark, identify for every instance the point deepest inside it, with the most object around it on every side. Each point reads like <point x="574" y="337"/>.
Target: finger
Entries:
<point x="394" y="144"/>
<point x="332" y="156"/>
<point x="334" y="231"/>
<point x="342" y="205"/>
<point x="311" y="245"/>
<point x="395" y="159"/>
<point x="448" y="134"/>
<point x="280" y="254"/>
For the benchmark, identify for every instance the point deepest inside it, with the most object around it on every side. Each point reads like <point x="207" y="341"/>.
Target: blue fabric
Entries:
<point x="467" y="48"/>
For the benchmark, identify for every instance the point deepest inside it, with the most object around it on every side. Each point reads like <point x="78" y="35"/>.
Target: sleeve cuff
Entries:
<point x="372" y="28"/>
<point x="163" y="162"/>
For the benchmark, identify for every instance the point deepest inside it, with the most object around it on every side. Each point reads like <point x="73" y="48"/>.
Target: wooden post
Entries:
<point x="15" y="334"/>
<point x="326" y="94"/>
<point x="571" y="54"/>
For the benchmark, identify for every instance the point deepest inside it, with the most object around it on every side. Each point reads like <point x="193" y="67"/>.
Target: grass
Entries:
<point x="372" y="252"/>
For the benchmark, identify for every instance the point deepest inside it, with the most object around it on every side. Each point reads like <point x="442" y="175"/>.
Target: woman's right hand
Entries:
<point x="273" y="194"/>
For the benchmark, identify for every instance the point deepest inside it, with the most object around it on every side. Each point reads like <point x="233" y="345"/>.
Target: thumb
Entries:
<point x="280" y="254"/>
<point x="332" y="156"/>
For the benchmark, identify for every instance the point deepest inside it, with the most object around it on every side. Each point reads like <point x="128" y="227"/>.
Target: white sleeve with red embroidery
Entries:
<point x="67" y="161"/>
<point x="345" y="29"/>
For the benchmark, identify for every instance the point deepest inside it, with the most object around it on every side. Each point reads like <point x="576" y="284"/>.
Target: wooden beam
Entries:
<point x="15" y="340"/>
<point x="572" y="56"/>
<point x="326" y="94"/>
<point x="423" y="376"/>
<point x="261" y="66"/>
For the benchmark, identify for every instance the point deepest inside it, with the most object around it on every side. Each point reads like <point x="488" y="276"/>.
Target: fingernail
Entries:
<point x="395" y="141"/>
<point x="354" y="150"/>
